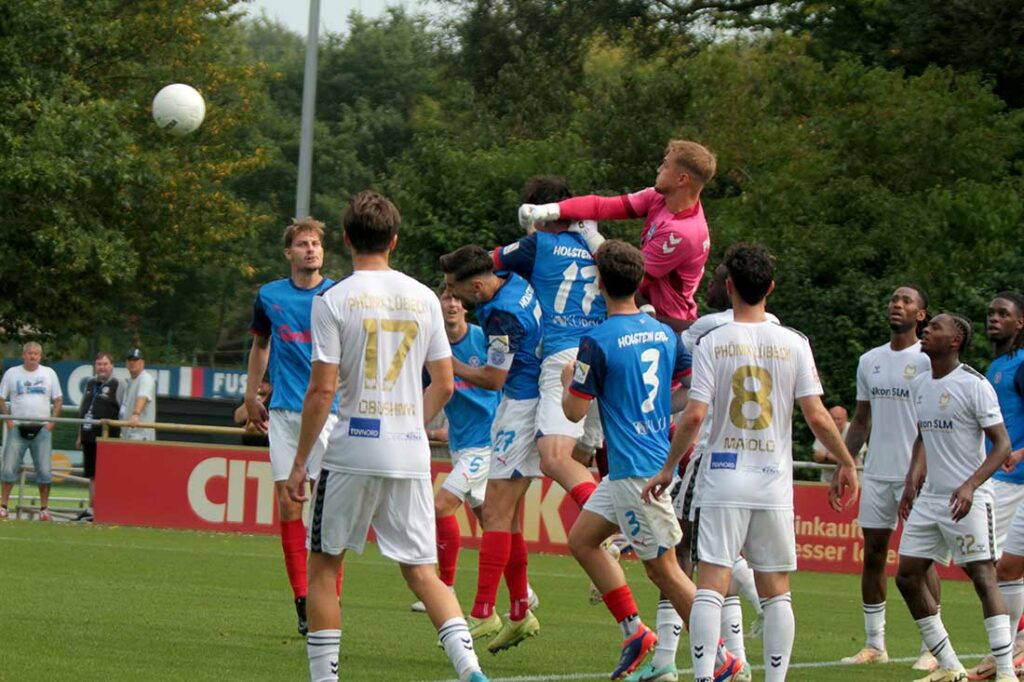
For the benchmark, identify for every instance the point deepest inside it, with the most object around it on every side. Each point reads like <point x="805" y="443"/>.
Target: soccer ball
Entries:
<point x="178" y="109"/>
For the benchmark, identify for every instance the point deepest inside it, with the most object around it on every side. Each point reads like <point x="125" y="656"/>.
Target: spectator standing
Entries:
<point x="33" y="392"/>
<point x="139" y="404"/>
<point x="101" y="400"/>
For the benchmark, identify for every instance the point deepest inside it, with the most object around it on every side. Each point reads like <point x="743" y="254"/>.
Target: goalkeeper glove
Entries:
<point x="588" y="228"/>
<point x="531" y="214"/>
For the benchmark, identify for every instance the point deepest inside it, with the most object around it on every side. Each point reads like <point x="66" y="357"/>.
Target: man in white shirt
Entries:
<point x="33" y="392"/>
<point x="752" y="370"/>
<point x="376" y="330"/>
<point x="139" y="404"/>
<point x="947" y="504"/>
<point x="885" y="419"/>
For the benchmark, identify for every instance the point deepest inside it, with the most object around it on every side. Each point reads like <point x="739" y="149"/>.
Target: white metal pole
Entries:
<point x="305" y="183"/>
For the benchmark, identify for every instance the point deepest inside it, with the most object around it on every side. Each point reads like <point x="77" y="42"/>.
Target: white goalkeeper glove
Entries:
<point x="588" y="228"/>
<point x="531" y="214"/>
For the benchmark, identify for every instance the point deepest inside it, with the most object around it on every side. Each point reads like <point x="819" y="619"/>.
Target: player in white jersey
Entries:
<point x="947" y="499"/>
<point x="885" y="419"/>
<point x="752" y="370"/>
<point x="375" y="331"/>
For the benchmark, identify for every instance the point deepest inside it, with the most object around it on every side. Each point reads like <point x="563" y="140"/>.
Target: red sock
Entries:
<point x="293" y="543"/>
<point x="448" y="540"/>
<point x="620" y="602"/>
<point x="1020" y="624"/>
<point x="515" y="578"/>
<point x="581" y="492"/>
<point x="341" y="576"/>
<point x="495" y="548"/>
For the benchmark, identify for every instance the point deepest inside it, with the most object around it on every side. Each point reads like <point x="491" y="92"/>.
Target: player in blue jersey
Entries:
<point x="1005" y="329"/>
<point x="561" y="270"/>
<point x="510" y="315"/>
<point x="470" y="413"/>
<point x="282" y="339"/>
<point x="629" y="364"/>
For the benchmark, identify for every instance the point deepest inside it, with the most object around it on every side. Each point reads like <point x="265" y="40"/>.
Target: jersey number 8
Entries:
<point x="742" y="378"/>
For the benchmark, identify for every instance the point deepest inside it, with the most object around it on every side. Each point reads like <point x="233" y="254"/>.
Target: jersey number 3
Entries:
<point x="373" y="327"/>
<point x="751" y="384"/>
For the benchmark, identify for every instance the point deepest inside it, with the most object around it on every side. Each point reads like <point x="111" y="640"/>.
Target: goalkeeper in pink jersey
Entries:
<point x="675" y="241"/>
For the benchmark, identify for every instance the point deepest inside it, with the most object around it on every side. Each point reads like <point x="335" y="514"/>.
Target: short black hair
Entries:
<point x="752" y="270"/>
<point x="621" y="267"/>
<point x="965" y="328"/>
<point x="467" y="261"/>
<point x="545" y="189"/>
<point x="371" y="222"/>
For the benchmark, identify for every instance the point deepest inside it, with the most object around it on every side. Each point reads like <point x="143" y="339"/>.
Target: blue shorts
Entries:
<point x="41" y="449"/>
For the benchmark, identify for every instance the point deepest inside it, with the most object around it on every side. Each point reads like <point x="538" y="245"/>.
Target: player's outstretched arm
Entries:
<point x="259" y="357"/>
<point x="442" y="386"/>
<point x="963" y="497"/>
<point x="323" y="383"/>
<point x="685" y="436"/>
<point x="844" y="481"/>
<point x="490" y="377"/>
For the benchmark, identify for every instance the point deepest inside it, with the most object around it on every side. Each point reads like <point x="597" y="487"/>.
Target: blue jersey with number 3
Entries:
<point x="561" y="270"/>
<point x="629" y="363"/>
<point x="471" y="409"/>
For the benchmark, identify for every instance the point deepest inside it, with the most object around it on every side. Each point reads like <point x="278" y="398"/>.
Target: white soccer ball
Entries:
<point x="178" y="109"/>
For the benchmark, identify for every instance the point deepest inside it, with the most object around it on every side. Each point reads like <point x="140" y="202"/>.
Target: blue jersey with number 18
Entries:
<point x="629" y="363"/>
<point x="561" y="269"/>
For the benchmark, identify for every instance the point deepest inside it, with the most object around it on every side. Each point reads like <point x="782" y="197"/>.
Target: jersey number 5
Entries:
<point x="408" y="328"/>
<point x="751" y="384"/>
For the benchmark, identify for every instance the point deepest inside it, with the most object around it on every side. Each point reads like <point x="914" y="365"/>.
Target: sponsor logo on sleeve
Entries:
<point x="498" y="343"/>
<point x="510" y="248"/>
<point x="364" y="428"/>
<point x="723" y="460"/>
<point x="581" y="373"/>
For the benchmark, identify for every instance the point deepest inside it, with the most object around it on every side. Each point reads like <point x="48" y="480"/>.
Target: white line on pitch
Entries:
<point x="687" y="671"/>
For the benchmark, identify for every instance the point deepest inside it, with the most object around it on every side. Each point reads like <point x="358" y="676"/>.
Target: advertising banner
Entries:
<point x="231" y="489"/>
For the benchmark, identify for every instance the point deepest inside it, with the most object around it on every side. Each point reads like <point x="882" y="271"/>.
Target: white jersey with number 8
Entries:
<point x="379" y="327"/>
<point x="751" y="373"/>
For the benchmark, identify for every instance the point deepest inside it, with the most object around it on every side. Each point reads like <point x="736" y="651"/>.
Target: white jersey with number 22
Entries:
<point x="379" y="327"/>
<point x="751" y="373"/>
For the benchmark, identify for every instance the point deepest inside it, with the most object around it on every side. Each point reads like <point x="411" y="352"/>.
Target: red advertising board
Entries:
<point x="231" y="489"/>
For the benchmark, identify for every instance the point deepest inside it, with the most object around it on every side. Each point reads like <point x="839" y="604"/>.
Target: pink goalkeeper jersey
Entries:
<point x="675" y="245"/>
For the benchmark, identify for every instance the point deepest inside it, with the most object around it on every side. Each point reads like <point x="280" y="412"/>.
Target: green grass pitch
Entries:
<point x="83" y="602"/>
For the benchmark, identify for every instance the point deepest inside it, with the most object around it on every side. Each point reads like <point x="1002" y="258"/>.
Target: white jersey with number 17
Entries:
<point x="379" y="327"/>
<point x="751" y="373"/>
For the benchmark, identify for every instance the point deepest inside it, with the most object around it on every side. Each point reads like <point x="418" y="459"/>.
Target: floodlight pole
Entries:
<point x="305" y="184"/>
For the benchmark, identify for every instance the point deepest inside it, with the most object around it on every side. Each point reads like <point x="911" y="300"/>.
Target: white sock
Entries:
<point x="705" y="617"/>
<point x="454" y="636"/>
<point x="669" y="627"/>
<point x="732" y="627"/>
<point x="779" y="631"/>
<point x="874" y="625"/>
<point x="935" y="637"/>
<point x="1001" y="642"/>
<point x="924" y="647"/>
<point x="1013" y="594"/>
<point x="743" y="583"/>
<point x="322" y="648"/>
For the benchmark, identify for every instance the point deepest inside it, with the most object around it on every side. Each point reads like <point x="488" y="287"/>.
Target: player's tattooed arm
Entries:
<point x="915" y="478"/>
<point x="963" y="497"/>
<point x="860" y="427"/>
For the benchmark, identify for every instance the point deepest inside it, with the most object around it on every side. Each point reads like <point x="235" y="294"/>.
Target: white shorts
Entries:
<point x="1009" y="497"/>
<point x="687" y="495"/>
<point x="400" y="511"/>
<point x="1014" y="542"/>
<point x="551" y="420"/>
<point x="880" y="503"/>
<point x="929" y="532"/>
<point x="468" y="478"/>
<point x="513" y="443"/>
<point x="765" y="537"/>
<point x="652" y="528"/>
<point x="283" y="434"/>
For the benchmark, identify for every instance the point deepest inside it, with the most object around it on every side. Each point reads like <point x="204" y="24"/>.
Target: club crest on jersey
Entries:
<point x="581" y="373"/>
<point x="944" y="400"/>
<point x="723" y="460"/>
<point x="910" y="371"/>
<point x="474" y="361"/>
